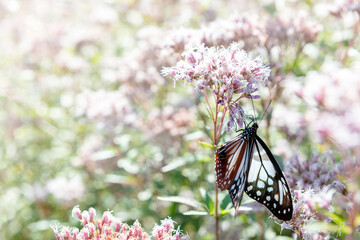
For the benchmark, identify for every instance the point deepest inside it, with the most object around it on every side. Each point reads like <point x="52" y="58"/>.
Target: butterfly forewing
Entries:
<point x="229" y="158"/>
<point x="266" y="183"/>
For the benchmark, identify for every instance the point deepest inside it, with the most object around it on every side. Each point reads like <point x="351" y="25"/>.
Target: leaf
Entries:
<point x="205" y="159"/>
<point x="114" y="178"/>
<point x="283" y="238"/>
<point x="183" y="200"/>
<point x="223" y="212"/>
<point x="194" y="136"/>
<point x="174" y="164"/>
<point x="193" y="212"/>
<point x="315" y="226"/>
<point x="209" y="202"/>
<point x="128" y="165"/>
<point x="224" y="205"/>
<point x="208" y="145"/>
<point x="209" y="114"/>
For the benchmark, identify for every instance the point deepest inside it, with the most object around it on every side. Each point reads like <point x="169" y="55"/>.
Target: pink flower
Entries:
<point x="305" y="203"/>
<point x="224" y="70"/>
<point x="110" y="227"/>
<point x="317" y="172"/>
<point x="76" y="212"/>
<point x="228" y="73"/>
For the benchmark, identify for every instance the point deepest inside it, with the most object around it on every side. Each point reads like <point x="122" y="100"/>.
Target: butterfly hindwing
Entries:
<point x="266" y="184"/>
<point x="237" y="186"/>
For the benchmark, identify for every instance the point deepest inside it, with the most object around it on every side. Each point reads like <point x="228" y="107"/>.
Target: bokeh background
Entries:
<point x="87" y="118"/>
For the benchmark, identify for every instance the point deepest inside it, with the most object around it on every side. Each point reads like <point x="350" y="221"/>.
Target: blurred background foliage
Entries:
<point x="87" y="119"/>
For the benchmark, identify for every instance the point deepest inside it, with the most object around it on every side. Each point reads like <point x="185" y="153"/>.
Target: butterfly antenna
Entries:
<point x="265" y="111"/>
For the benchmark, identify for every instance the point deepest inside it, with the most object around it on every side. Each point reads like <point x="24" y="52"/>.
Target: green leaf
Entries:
<point x="206" y="159"/>
<point x="193" y="212"/>
<point x="223" y="212"/>
<point x="183" y="200"/>
<point x="209" y="114"/>
<point x="209" y="202"/>
<point x="225" y="203"/>
<point x="315" y="226"/>
<point x="208" y="145"/>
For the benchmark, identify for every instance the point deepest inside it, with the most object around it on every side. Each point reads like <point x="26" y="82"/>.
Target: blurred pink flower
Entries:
<point x="289" y="121"/>
<point x="334" y="115"/>
<point x="244" y="29"/>
<point x="339" y="8"/>
<point x="317" y="172"/>
<point x="305" y="205"/>
<point x="169" y="121"/>
<point x="107" y="108"/>
<point x="65" y="189"/>
<point x="288" y="30"/>
<point x="111" y="227"/>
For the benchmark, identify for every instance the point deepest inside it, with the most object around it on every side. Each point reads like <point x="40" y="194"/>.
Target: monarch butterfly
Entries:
<point x="245" y="163"/>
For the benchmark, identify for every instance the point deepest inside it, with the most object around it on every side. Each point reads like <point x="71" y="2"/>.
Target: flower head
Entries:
<point x="317" y="172"/>
<point x="228" y="73"/>
<point x="237" y="114"/>
<point x="305" y="211"/>
<point x="225" y="71"/>
<point x="111" y="227"/>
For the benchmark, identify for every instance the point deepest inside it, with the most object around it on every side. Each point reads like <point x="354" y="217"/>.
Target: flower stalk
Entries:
<point x="228" y="73"/>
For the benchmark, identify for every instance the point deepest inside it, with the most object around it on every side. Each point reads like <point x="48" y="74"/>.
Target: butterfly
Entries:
<point x="245" y="163"/>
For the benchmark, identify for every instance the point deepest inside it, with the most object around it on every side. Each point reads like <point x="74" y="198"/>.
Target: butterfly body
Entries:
<point x="245" y="164"/>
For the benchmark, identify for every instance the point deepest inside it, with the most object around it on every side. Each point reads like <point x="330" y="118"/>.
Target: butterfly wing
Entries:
<point x="237" y="186"/>
<point x="266" y="184"/>
<point x="229" y="158"/>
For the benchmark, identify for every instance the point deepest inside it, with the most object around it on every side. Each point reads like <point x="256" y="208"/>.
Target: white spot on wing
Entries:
<point x="281" y="192"/>
<point x="276" y="197"/>
<point x="249" y="188"/>
<point x="258" y="193"/>
<point x="261" y="184"/>
<point x="263" y="176"/>
<point x="253" y="172"/>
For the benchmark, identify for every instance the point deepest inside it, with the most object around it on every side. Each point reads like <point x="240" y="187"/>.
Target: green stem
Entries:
<point x="215" y="143"/>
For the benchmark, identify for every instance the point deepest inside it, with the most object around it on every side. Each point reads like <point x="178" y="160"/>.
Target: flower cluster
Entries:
<point x="305" y="211"/>
<point x="249" y="31"/>
<point x="333" y="96"/>
<point x="168" y="125"/>
<point x="111" y="227"/>
<point x="283" y="31"/>
<point x="225" y="71"/>
<point x="316" y="173"/>
<point x="229" y="73"/>
<point x="66" y="190"/>
<point x="245" y="29"/>
<point x="107" y="108"/>
<point x="341" y="7"/>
